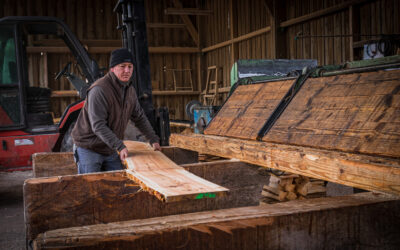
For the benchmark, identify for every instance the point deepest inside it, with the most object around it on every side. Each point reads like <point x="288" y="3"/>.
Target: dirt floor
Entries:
<point x="12" y="230"/>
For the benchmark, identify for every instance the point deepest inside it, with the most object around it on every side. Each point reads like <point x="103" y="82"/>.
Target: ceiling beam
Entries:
<point x="187" y="11"/>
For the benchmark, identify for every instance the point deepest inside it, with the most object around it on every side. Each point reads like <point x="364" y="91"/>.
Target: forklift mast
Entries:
<point x="132" y="21"/>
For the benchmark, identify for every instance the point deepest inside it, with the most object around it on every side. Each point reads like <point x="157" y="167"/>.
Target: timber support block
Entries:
<point x="357" y="170"/>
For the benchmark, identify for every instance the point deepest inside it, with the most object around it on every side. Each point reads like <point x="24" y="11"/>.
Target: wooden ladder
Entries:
<point x="211" y="91"/>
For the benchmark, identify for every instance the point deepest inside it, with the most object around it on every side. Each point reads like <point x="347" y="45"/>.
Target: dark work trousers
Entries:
<point x="89" y="161"/>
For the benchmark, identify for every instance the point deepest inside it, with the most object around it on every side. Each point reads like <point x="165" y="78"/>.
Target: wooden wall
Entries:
<point x="235" y="29"/>
<point x="367" y="18"/>
<point x="94" y="23"/>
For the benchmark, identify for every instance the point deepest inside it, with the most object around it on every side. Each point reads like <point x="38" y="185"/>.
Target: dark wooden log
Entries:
<point x="79" y="200"/>
<point x="348" y="222"/>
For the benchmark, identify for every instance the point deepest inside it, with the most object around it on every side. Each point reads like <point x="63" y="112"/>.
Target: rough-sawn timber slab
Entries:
<point x="157" y="174"/>
<point x="373" y="173"/>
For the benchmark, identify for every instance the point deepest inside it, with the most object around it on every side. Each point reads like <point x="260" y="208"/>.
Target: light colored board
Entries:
<point x="356" y="170"/>
<point x="337" y="222"/>
<point x="159" y="175"/>
<point x="246" y="111"/>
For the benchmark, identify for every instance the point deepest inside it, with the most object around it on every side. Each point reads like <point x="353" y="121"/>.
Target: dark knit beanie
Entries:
<point x="120" y="56"/>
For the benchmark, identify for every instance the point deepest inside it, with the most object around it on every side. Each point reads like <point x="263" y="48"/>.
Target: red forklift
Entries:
<point x="26" y="124"/>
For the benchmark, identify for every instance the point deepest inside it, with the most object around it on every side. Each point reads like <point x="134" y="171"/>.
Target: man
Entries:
<point x="111" y="101"/>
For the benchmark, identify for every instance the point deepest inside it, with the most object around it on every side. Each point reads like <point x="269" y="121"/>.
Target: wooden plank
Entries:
<point x="62" y="163"/>
<point x="80" y="200"/>
<point x="356" y="113"/>
<point x="263" y="227"/>
<point x="187" y="11"/>
<point x="238" y="39"/>
<point x="245" y="112"/>
<point x="166" y="25"/>
<point x="101" y="50"/>
<point x="321" y="13"/>
<point x="175" y="93"/>
<point x="356" y="170"/>
<point x="64" y="93"/>
<point x="160" y="176"/>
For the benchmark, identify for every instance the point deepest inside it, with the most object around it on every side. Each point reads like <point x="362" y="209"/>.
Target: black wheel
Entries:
<point x="67" y="143"/>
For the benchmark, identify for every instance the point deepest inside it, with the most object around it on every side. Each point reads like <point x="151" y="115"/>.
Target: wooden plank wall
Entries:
<point x="229" y="20"/>
<point x="94" y="20"/>
<point x="372" y="17"/>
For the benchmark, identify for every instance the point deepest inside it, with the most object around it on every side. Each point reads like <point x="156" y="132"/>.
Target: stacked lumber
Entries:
<point x="292" y="187"/>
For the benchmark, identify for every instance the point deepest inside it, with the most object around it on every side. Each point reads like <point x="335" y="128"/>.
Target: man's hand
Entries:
<point x="156" y="146"/>
<point x="123" y="154"/>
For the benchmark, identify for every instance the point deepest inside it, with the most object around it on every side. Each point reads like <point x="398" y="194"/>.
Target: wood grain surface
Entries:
<point x="246" y="111"/>
<point x="373" y="173"/>
<point x="357" y="113"/>
<point x="353" y="221"/>
<point x="81" y="200"/>
<point x="159" y="175"/>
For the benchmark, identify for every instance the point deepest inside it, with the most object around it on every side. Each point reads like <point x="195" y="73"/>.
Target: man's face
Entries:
<point x="123" y="71"/>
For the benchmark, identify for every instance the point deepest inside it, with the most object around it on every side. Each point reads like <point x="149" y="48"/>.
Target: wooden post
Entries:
<point x="354" y="28"/>
<point x="233" y="31"/>
<point x="277" y="12"/>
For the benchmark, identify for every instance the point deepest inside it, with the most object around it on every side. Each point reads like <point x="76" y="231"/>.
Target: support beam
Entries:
<point x="354" y="222"/>
<point x="233" y="31"/>
<point x="189" y="25"/>
<point x="103" y="50"/>
<point x="356" y="170"/>
<point x="321" y="13"/>
<point x="237" y="39"/>
<point x="166" y="25"/>
<point x="277" y="13"/>
<point x="187" y="11"/>
<point x="81" y="200"/>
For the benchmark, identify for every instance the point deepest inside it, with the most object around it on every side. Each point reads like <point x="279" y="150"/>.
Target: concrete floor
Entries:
<point x="12" y="229"/>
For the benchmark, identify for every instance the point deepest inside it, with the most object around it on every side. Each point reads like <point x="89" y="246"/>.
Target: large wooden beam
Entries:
<point x="345" y="222"/>
<point x="187" y="11"/>
<point x="160" y="176"/>
<point x="103" y="50"/>
<point x="356" y="170"/>
<point x="80" y="200"/>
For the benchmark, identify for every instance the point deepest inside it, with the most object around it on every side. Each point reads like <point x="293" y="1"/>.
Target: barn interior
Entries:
<point x="284" y="114"/>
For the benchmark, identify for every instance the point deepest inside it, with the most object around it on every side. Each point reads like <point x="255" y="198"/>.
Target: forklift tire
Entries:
<point x="67" y="143"/>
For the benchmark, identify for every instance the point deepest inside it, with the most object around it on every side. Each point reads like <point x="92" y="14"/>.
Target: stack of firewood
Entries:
<point x="291" y="187"/>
